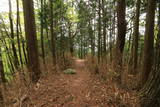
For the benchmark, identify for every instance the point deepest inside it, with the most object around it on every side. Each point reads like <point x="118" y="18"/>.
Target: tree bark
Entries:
<point x="30" y="32"/>
<point x="42" y="32"/>
<point x="2" y="79"/>
<point x="99" y="30"/>
<point x="16" y="62"/>
<point x="136" y="35"/>
<point x="70" y="40"/>
<point x="52" y="33"/>
<point x="18" y="37"/>
<point x="121" y="26"/>
<point x="158" y="37"/>
<point x="149" y="95"/>
<point x="104" y="28"/>
<point x="23" y="43"/>
<point x="121" y="35"/>
<point x="149" y="41"/>
<point x="2" y="68"/>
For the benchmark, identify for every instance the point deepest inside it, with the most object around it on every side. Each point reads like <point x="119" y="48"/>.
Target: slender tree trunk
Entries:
<point x="23" y="44"/>
<point x="136" y="35"/>
<point x="70" y="41"/>
<point x="81" y="47"/>
<point x="32" y="49"/>
<point x="7" y="49"/>
<point x="99" y="30"/>
<point x="52" y="34"/>
<point x="9" y="57"/>
<point x="42" y="34"/>
<point x="104" y="27"/>
<point x="149" y="41"/>
<point x="2" y="79"/>
<point x="93" y="38"/>
<point x="130" y="51"/>
<point x="112" y="37"/>
<point x="18" y="38"/>
<point x="16" y="62"/>
<point x="2" y="68"/>
<point x="130" y="43"/>
<point x="109" y="39"/>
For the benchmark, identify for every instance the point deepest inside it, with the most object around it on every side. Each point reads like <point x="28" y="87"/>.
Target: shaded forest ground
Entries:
<point x="83" y="89"/>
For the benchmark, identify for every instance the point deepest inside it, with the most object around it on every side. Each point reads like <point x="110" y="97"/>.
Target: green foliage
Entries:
<point x="130" y="3"/>
<point x="69" y="71"/>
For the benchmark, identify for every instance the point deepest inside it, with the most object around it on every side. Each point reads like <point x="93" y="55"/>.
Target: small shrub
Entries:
<point x="69" y="71"/>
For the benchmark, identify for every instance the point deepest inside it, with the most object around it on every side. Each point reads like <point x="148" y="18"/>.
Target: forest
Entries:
<point x="80" y="53"/>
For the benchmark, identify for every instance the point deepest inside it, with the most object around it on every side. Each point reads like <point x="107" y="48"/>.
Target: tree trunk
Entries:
<point x="16" y="63"/>
<point x="2" y="68"/>
<point x="112" y="37"/>
<point x="23" y="44"/>
<point x="18" y="37"/>
<point x="121" y="35"/>
<point x="99" y="30"/>
<point x="136" y="35"/>
<point x="52" y="33"/>
<point x="104" y="27"/>
<point x="42" y="34"/>
<point x="2" y="79"/>
<point x="91" y="39"/>
<point x="121" y="26"/>
<point x="9" y="57"/>
<point x="150" y="93"/>
<point x="70" y="41"/>
<point x="30" y="32"/>
<point x="158" y="37"/>
<point x="149" y="41"/>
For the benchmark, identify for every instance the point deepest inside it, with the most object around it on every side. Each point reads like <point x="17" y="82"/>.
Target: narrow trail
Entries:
<point x="78" y="84"/>
<point x="63" y="90"/>
<point x="78" y="90"/>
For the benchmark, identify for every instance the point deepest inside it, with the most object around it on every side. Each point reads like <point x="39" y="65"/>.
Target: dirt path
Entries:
<point x="78" y="84"/>
<point x="63" y="90"/>
<point x="78" y="90"/>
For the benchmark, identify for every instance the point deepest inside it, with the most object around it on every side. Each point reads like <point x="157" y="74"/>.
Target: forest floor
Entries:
<point x="82" y="89"/>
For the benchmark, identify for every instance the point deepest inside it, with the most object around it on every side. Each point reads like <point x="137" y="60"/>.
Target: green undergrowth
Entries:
<point x="69" y="71"/>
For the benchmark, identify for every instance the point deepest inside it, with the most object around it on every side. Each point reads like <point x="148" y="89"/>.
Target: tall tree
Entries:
<point x="121" y="8"/>
<point x="18" y="35"/>
<point x="2" y="76"/>
<point x="104" y="26"/>
<point x="150" y="93"/>
<point x="136" y="35"/>
<point x="113" y="33"/>
<point x="52" y="33"/>
<point x="70" y="39"/>
<point x="30" y="32"/>
<point x="149" y="40"/>
<point x="158" y="36"/>
<point x="99" y="30"/>
<point x="16" y="62"/>
<point x="42" y="31"/>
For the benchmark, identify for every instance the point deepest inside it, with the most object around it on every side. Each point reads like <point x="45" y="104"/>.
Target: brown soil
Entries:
<point x="77" y="90"/>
